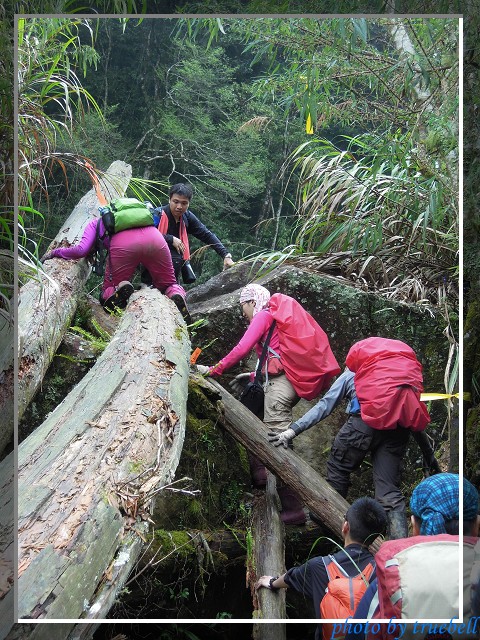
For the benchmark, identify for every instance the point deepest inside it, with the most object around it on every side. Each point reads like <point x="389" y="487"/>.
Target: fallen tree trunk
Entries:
<point x="269" y="554"/>
<point x="7" y="521"/>
<point x="88" y="475"/>
<point x="47" y="303"/>
<point x="317" y="494"/>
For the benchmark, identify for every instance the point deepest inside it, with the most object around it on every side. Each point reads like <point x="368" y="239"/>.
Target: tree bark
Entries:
<point x="7" y="520"/>
<point x="269" y="554"/>
<point x="318" y="495"/>
<point x="87" y="476"/>
<point x="47" y="304"/>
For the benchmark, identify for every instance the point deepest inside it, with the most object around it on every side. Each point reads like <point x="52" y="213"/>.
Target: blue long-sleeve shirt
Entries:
<point x="342" y="389"/>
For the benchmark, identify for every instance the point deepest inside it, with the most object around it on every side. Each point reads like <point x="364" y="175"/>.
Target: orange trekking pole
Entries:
<point x="194" y="356"/>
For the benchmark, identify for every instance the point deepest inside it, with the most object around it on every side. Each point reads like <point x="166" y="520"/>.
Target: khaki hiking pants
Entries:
<point x="280" y="397"/>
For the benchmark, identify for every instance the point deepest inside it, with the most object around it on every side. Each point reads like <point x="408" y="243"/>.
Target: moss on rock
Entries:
<point x="216" y="463"/>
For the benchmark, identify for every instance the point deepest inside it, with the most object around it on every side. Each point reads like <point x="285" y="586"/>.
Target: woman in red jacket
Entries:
<point x="280" y="396"/>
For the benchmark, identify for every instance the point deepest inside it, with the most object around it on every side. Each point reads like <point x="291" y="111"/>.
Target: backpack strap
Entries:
<point x="273" y="352"/>
<point x="367" y="571"/>
<point x="99" y="248"/>
<point x="258" y="370"/>
<point x="374" y="605"/>
<point x="333" y="569"/>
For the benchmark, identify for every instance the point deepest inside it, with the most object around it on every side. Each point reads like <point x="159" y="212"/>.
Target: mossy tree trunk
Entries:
<point x="47" y="303"/>
<point x="88" y="474"/>
<point x="269" y="553"/>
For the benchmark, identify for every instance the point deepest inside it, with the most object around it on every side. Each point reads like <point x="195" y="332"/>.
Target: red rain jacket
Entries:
<point x="306" y="355"/>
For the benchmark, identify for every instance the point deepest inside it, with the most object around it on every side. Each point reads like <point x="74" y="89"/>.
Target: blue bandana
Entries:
<point x="436" y="500"/>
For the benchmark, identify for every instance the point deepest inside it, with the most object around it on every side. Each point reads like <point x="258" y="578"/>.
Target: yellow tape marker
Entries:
<point x="426" y="397"/>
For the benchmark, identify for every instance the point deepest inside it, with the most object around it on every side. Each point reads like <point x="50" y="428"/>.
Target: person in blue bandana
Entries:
<point x="435" y="507"/>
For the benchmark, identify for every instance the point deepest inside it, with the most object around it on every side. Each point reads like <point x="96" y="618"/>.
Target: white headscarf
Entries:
<point x="255" y="292"/>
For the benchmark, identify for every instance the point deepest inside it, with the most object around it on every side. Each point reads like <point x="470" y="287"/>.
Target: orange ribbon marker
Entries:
<point x="194" y="356"/>
<point x="96" y="184"/>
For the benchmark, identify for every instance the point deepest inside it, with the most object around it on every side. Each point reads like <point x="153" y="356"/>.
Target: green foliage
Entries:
<point x="50" y="92"/>
<point x="98" y="342"/>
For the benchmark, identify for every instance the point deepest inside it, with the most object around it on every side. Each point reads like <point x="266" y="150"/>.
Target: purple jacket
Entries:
<point x="86" y="244"/>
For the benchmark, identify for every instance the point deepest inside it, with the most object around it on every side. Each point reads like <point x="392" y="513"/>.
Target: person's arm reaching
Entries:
<point x="342" y="388"/>
<point x="274" y="583"/>
<point x="256" y="330"/>
<point x="80" y="250"/>
<point x="202" y="233"/>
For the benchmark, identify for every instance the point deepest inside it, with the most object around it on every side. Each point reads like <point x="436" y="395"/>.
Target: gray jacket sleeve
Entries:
<point x="343" y="387"/>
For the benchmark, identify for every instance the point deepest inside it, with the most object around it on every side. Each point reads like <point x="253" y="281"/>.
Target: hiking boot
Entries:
<point x="258" y="471"/>
<point x="292" y="509"/>
<point x="397" y="525"/>
<point x="182" y="307"/>
<point x="119" y="299"/>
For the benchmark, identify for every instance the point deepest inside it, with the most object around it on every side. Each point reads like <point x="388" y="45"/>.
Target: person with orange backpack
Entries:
<point x="298" y="363"/>
<point x="382" y="384"/>
<point x="337" y="582"/>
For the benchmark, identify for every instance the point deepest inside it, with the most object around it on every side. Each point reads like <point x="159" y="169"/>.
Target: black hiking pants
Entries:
<point x="352" y="443"/>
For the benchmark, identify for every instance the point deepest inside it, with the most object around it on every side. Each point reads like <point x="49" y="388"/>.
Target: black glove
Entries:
<point x="430" y="463"/>
<point x="431" y="466"/>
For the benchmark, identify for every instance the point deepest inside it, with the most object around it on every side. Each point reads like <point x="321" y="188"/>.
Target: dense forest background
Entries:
<point x="299" y="137"/>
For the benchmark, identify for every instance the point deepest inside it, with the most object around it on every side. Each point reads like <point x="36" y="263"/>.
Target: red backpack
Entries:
<point x="306" y="354"/>
<point x="342" y="595"/>
<point x="417" y="579"/>
<point x="388" y="382"/>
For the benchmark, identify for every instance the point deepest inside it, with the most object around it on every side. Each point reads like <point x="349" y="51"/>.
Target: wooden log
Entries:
<point x="47" y="303"/>
<point x="269" y="554"/>
<point x="88" y="475"/>
<point x="317" y="494"/>
<point x="7" y="520"/>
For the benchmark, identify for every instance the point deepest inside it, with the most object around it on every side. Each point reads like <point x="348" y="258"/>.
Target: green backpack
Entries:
<point x="120" y="214"/>
<point x="125" y="213"/>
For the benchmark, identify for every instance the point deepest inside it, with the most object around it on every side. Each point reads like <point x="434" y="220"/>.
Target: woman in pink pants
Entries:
<point x="126" y="250"/>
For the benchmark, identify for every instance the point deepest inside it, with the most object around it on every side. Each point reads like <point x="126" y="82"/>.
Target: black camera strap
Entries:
<point x="258" y="370"/>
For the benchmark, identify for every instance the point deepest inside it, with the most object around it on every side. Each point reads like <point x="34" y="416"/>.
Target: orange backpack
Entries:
<point x="342" y="595"/>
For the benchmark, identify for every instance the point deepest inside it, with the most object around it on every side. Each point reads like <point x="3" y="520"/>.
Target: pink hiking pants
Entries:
<point x="144" y="245"/>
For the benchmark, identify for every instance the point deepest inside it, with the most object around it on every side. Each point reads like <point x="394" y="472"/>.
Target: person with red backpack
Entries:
<point x="336" y="583"/>
<point x="417" y="577"/>
<point x="383" y="407"/>
<point x="298" y="363"/>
